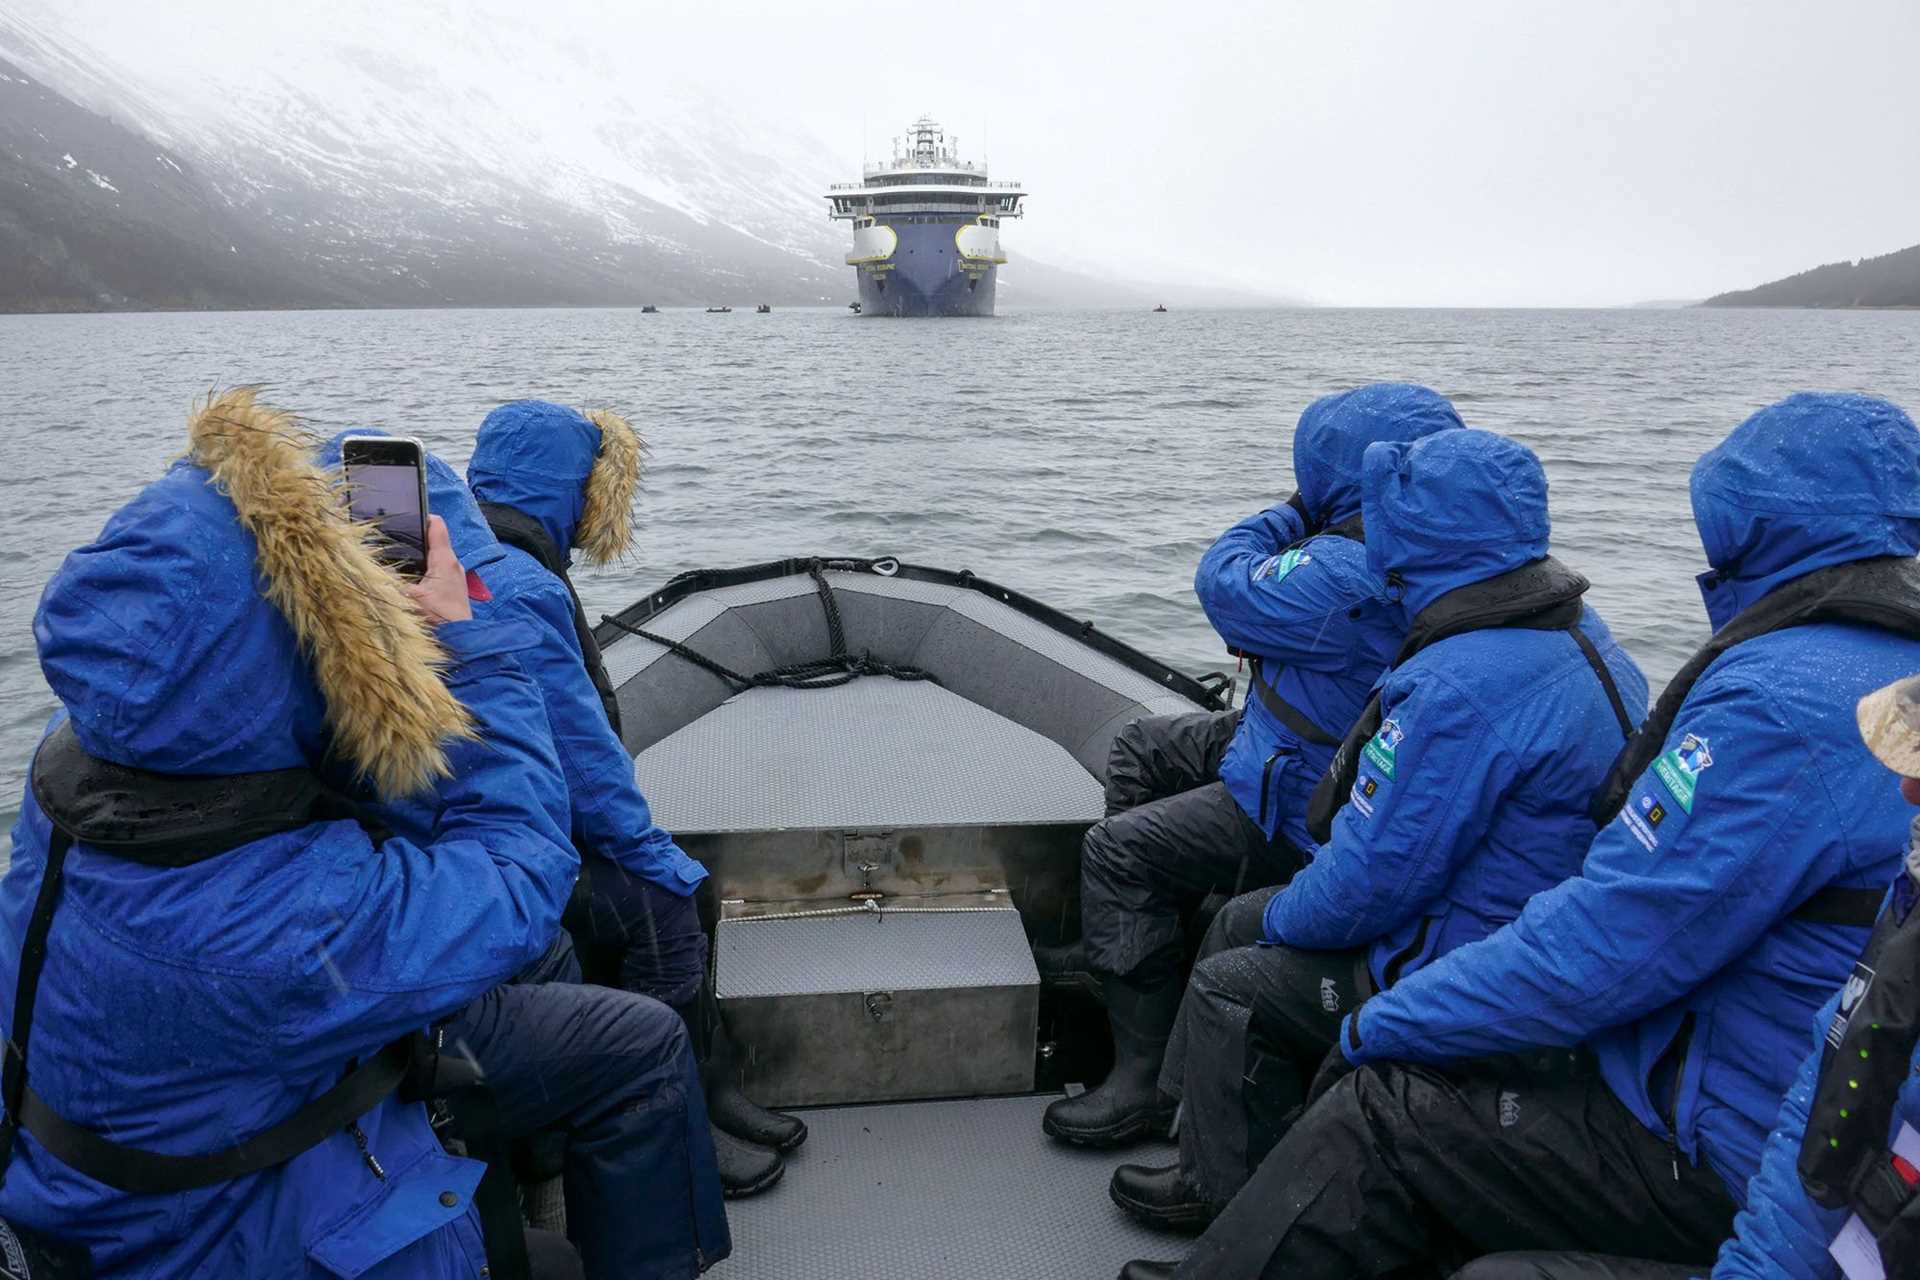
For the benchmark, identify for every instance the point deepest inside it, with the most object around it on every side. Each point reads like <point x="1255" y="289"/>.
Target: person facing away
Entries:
<point x="1206" y="803"/>
<point x="1474" y="766"/>
<point x="1783" y="1233"/>
<point x="614" y="1071"/>
<point x="1747" y="842"/>
<point x="551" y="480"/>
<point x="230" y="620"/>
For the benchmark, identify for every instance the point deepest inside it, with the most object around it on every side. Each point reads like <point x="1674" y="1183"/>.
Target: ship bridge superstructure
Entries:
<point x="926" y="227"/>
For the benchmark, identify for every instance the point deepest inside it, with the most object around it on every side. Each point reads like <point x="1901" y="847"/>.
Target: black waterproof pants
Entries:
<point x="1173" y="836"/>
<point x="1572" y="1266"/>
<point x="1414" y="1171"/>
<point x="1255" y="1024"/>
<point x="1160" y="756"/>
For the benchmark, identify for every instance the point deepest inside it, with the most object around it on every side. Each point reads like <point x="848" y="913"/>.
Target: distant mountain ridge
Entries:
<point x="1890" y="280"/>
<point x="350" y="175"/>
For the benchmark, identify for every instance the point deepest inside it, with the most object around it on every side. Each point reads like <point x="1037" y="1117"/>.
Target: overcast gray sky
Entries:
<point x="1479" y="152"/>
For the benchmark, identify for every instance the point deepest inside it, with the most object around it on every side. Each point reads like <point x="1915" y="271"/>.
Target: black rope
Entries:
<point x="837" y="668"/>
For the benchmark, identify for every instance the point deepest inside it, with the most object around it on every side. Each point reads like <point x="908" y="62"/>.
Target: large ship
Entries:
<point x="926" y="228"/>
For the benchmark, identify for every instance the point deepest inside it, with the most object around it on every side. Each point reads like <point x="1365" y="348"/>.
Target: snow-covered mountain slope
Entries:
<point x="504" y="168"/>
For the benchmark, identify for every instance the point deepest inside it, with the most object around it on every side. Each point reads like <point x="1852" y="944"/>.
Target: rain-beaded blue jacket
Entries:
<point x="184" y="1009"/>
<point x="1314" y="614"/>
<point x="610" y="816"/>
<point x="1473" y="796"/>
<point x="1675" y="942"/>
<point x="535" y="457"/>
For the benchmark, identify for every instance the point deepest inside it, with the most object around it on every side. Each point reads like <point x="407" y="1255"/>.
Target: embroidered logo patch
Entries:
<point x="1850" y="997"/>
<point x="1680" y="769"/>
<point x="1382" y="747"/>
<point x="1509" y="1109"/>
<point x="1329" y="996"/>
<point x="1278" y="567"/>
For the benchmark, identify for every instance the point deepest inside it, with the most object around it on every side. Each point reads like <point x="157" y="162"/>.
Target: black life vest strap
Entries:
<point x="1354" y="530"/>
<point x="524" y="533"/>
<point x="1543" y="595"/>
<point x="1287" y="714"/>
<point x="168" y="821"/>
<point x="1833" y="905"/>
<point x="1882" y="592"/>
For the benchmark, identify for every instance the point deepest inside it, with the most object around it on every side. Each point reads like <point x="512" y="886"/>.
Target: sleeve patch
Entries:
<point x="1278" y="567"/>
<point x="1651" y="814"/>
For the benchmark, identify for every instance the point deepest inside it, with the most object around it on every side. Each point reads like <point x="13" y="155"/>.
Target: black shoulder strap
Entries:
<point x="1354" y="530"/>
<point x="1882" y="592"/>
<point x="518" y="529"/>
<point x="1543" y="595"/>
<point x="163" y="820"/>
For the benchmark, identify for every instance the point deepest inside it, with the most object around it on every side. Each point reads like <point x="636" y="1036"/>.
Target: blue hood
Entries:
<point x="158" y="639"/>
<point x="447" y="497"/>
<point x="1335" y="431"/>
<point x="1453" y="509"/>
<point x="1815" y="480"/>
<point x="535" y="456"/>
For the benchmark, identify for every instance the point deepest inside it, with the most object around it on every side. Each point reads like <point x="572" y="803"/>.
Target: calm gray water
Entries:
<point x="1085" y="457"/>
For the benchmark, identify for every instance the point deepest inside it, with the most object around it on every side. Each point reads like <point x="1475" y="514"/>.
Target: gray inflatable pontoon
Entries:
<point x="886" y="848"/>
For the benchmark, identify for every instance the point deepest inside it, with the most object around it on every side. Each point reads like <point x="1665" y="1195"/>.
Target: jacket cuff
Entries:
<point x="479" y="638"/>
<point x="1350" y="1040"/>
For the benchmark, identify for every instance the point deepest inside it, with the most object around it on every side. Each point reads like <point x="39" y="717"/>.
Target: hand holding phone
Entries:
<point x="441" y="593"/>
<point x="387" y="485"/>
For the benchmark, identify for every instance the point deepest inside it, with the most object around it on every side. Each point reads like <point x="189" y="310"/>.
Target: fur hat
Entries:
<point x="372" y="655"/>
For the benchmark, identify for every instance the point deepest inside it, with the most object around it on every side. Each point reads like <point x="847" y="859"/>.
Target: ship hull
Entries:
<point x="926" y="275"/>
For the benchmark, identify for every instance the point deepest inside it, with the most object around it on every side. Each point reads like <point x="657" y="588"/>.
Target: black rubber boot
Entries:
<point x="732" y="1110"/>
<point x="1141" y="1269"/>
<point x="745" y="1170"/>
<point x="1066" y="968"/>
<point x="1161" y="1197"/>
<point x="1128" y="1105"/>
<point x="728" y="1107"/>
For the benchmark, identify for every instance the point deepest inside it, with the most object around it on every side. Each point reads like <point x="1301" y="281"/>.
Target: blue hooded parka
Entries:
<point x="1674" y="953"/>
<point x="535" y="457"/>
<point x="1473" y="795"/>
<point x="1314" y="614"/>
<point x="610" y="816"/>
<point x="183" y="1009"/>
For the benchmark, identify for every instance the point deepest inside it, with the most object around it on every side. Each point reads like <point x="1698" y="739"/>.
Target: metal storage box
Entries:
<point x="875" y="1005"/>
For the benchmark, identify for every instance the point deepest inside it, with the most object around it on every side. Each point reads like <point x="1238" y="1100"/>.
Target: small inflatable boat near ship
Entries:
<point x="888" y="770"/>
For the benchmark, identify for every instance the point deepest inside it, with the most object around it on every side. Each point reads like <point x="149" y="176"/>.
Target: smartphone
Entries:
<point x="387" y="485"/>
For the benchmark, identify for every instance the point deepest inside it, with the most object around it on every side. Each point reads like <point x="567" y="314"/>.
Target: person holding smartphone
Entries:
<point x="200" y="945"/>
<point x="552" y="481"/>
<point x="587" y="1061"/>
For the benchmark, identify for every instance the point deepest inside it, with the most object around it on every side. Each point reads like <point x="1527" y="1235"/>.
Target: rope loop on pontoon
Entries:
<point x="837" y="668"/>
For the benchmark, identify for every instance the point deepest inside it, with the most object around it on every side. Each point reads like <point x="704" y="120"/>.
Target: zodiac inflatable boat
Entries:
<point x="888" y="770"/>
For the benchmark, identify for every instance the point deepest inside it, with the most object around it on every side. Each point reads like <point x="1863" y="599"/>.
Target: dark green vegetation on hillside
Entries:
<point x="1891" y="280"/>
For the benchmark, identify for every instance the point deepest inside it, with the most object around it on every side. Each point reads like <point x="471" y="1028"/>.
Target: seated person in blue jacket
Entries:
<point x="224" y="942"/>
<point x="554" y="1057"/>
<point x="1471" y="773"/>
<point x="1203" y="803"/>
<point x="1747" y="843"/>
<point x="1847" y="1144"/>
<point x="552" y="480"/>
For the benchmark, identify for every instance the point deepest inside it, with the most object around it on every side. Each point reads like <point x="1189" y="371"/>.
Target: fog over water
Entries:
<point x="1087" y="458"/>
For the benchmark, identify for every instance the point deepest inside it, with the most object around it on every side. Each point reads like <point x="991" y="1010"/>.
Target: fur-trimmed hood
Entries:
<point x="574" y="472"/>
<point x="232" y="618"/>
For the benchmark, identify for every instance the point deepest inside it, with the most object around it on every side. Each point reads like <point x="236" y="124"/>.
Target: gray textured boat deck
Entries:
<point x="968" y="1190"/>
